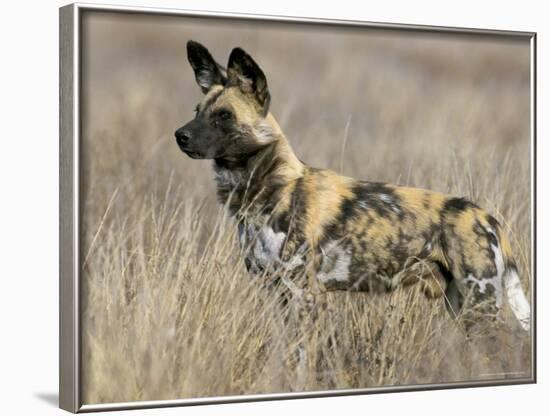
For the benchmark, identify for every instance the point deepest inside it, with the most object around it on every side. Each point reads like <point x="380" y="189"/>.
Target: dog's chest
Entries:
<point x="263" y="249"/>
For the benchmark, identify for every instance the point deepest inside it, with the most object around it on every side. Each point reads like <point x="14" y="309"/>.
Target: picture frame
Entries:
<point x="70" y="200"/>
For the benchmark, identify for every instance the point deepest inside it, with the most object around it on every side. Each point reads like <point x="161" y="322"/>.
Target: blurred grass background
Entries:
<point x="168" y="309"/>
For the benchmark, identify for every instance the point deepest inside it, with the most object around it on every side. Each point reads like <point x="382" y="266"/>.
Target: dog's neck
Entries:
<point x="250" y="184"/>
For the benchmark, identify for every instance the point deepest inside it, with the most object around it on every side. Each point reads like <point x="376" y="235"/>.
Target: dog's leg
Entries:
<point x="427" y="274"/>
<point x="485" y="289"/>
<point x="480" y="258"/>
<point x="307" y="303"/>
<point x="306" y="312"/>
<point x="453" y="299"/>
<point x="436" y="281"/>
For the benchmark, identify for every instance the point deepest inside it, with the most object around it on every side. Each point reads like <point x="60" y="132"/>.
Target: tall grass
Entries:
<point x="169" y="310"/>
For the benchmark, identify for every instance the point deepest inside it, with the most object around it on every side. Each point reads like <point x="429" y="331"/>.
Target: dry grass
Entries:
<point x="168" y="308"/>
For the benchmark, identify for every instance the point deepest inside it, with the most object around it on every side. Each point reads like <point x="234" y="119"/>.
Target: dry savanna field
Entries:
<point x="169" y="310"/>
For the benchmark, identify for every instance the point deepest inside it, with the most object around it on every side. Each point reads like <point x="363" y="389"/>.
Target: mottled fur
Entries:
<point x="318" y="230"/>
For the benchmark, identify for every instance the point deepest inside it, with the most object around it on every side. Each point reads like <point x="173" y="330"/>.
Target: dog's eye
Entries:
<point x="224" y="115"/>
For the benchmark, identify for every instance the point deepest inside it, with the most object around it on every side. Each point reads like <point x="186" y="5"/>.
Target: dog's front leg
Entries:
<point x="308" y="305"/>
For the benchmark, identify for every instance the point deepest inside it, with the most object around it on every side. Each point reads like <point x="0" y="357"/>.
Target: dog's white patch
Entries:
<point x="205" y="78"/>
<point x="265" y="246"/>
<point x="483" y="283"/>
<point x="512" y="287"/>
<point x="268" y="245"/>
<point x="506" y="281"/>
<point x="517" y="300"/>
<point x="263" y="132"/>
<point x="334" y="264"/>
<point x="363" y="205"/>
<point x="227" y="177"/>
<point x="245" y="83"/>
<point x="387" y="199"/>
<point x="395" y="209"/>
<point x="495" y="281"/>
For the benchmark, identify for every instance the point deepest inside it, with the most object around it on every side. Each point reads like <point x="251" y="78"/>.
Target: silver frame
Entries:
<point x="69" y="219"/>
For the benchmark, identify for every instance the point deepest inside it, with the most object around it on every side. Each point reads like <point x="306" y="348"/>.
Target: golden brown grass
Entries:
<point x="168" y="308"/>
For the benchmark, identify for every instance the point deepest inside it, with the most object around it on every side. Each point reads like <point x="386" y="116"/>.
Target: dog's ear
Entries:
<point x="245" y="73"/>
<point x="207" y="71"/>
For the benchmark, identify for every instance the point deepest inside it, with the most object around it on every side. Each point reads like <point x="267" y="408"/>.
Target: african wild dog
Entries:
<point x="331" y="232"/>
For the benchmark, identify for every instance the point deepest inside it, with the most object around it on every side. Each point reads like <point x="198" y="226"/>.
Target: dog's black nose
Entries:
<point x="182" y="136"/>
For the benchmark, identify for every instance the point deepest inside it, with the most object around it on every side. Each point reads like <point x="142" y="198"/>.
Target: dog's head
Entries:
<point x="230" y="121"/>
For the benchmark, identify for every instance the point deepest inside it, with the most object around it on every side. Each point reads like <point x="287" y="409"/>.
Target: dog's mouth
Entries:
<point x="192" y="154"/>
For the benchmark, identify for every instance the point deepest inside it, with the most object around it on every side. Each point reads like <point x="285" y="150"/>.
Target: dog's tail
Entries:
<point x="512" y="285"/>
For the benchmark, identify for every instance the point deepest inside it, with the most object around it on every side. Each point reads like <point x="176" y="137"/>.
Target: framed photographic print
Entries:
<point x="258" y="207"/>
